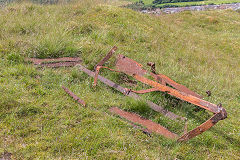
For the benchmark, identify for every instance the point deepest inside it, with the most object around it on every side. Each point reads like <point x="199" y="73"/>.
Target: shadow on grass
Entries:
<point x="179" y="106"/>
<point x="231" y="140"/>
<point x="217" y="140"/>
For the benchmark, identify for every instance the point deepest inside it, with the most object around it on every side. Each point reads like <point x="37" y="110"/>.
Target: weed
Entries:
<point x="53" y="48"/>
<point x="15" y="58"/>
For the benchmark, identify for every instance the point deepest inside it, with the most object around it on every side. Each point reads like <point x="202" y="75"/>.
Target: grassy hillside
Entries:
<point x="38" y="120"/>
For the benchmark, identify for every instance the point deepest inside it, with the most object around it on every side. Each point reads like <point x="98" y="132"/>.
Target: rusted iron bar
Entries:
<point x="37" y="61"/>
<point x="76" y="98"/>
<point x="181" y="95"/>
<point x="106" y="58"/>
<point x="222" y="114"/>
<point x="97" y="70"/>
<point x="152" y="105"/>
<point x="145" y="90"/>
<point x="165" y="79"/>
<point x="150" y="125"/>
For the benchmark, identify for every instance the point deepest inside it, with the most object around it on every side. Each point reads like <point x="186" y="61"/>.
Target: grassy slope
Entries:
<point x="37" y="119"/>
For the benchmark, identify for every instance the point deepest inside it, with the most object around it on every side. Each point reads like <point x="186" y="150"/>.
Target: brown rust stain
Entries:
<point x="129" y="66"/>
<point x="150" y="125"/>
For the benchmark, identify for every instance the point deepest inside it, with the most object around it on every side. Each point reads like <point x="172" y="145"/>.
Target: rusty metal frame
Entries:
<point x="134" y="69"/>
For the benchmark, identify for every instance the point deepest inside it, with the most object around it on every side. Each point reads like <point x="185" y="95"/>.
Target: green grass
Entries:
<point x="182" y="4"/>
<point x="39" y="120"/>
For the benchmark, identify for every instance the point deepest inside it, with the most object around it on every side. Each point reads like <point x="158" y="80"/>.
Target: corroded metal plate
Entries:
<point x="129" y="66"/>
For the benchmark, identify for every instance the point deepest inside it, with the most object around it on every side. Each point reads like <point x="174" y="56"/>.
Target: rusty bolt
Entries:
<point x="152" y="65"/>
<point x="209" y="93"/>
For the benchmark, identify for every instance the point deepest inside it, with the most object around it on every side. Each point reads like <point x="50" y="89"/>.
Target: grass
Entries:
<point x="39" y="120"/>
<point x="183" y="4"/>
